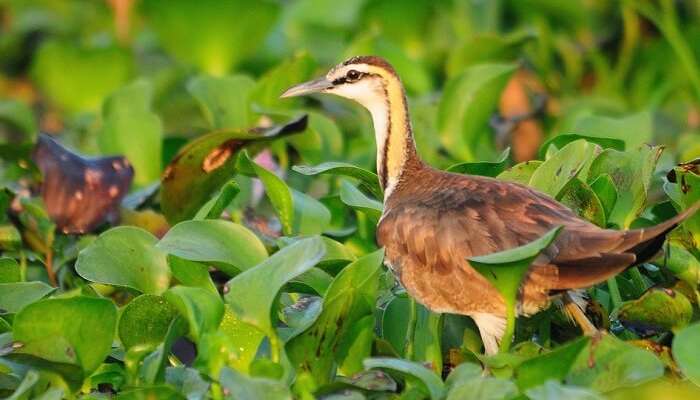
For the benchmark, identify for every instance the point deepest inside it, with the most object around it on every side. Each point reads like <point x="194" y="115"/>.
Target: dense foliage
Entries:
<point x="178" y="231"/>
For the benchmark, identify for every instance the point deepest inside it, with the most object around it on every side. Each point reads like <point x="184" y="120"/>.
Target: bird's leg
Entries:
<point x="575" y="312"/>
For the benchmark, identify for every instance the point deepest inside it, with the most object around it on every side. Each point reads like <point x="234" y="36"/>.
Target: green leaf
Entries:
<point x="145" y="321"/>
<point x="266" y="95"/>
<point x="57" y="330"/>
<point x="203" y="34"/>
<point x="553" y="176"/>
<point x="300" y="316"/>
<point x="604" y="188"/>
<point x="76" y="77"/>
<point x="298" y="212"/>
<point x="368" y="180"/>
<point x="201" y="308"/>
<point x="213" y="208"/>
<point x="187" y="381"/>
<point x="125" y="256"/>
<point x="635" y="129"/>
<point x="467" y="103"/>
<point x="231" y="246"/>
<point x="224" y="101"/>
<point x="242" y="387"/>
<point x="686" y="352"/>
<point x="520" y="173"/>
<point x="426" y="338"/>
<point x="252" y="293"/>
<point x="582" y="199"/>
<point x="202" y="166"/>
<point x="323" y="140"/>
<point x="506" y="269"/>
<point x="19" y="118"/>
<point x="684" y="193"/>
<point x="352" y="197"/>
<point x="191" y="273"/>
<point x="631" y="172"/>
<point x="660" y="308"/>
<point x="559" y="141"/>
<point x="131" y="129"/>
<point x="555" y="364"/>
<point x="553" y="390"/>
<point x="350" y="298"/>
<point x="9" y="270"/>
<point x="611" y="364"/>
<point x="25" y="387"/>
<point x="487" y="47"/>
<point x="483" y="168"/>
<point x="16" y="295"/>
<point x="431" y="382"/>
<point x="483" y="388"/>
<point x="681" y="262"/>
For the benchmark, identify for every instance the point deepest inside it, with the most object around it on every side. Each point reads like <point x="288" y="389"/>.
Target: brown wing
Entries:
<point x="430" y="229"/>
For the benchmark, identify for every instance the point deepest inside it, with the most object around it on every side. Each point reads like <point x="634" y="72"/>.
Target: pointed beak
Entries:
<point x="315" y="86"/>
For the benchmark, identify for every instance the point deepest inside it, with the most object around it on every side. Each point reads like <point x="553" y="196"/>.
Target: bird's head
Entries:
<point x="364" y="79"/>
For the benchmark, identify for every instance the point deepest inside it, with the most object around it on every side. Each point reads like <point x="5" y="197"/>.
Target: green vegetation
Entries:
<point x="241" y="261"/>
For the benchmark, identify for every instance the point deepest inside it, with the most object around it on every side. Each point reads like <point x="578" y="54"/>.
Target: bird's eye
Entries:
<point x="352" y="75"/>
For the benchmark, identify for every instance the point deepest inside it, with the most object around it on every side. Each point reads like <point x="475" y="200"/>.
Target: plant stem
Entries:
<point x="411" y="329"/>
<point x="510" y="329"/>
<point x="275" y="347"/>
<point x="638" y="280"/>
<point x="48" y="262"/>
<point x="614" y="292"/>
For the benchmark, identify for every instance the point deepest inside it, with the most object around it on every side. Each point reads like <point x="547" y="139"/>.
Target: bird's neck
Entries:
<point x="396" y="149"/>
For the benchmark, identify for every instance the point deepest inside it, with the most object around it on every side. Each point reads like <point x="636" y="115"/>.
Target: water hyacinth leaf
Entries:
<point x="583" y="201"/>
<point x="19" y="120"/>
<point x="191" y="273"/>
<point x="266" y="94"/>
<point x="202" y="309"/>
<point x="213" y="208"/>
<point x="235" y="344"/>
<point x="23" y="391"/>
<point x="310" y="215"/>
<point x="354" y="198"/>
<point x="299" y="316"/>
<point x="617" y="365"/>
<point x="430" y="381"/>
<point x="152" y="369"/>
<point x="350" y="297"/>
<point x="555" y="364"/>
<point x="553" y="390"/>
<point x="77" y="78"/>
<point x="681" y="262"/>
<point x="468" y="101"/>
<point x="486" y="47"/>
<point x="483" y="388"/>
<point x="631" y="172"/>
<point x="314" y="281"/>
<point x="520" y="173"/>
<point x="506" y="269"/>
<point x="604" y="188"/>
<point x="54" y="330"/>
<point x="125" y="256"/>
<point x="635" y="129"/>
<point x="202" y="34"/>
<point x="232" y="247"/>
<point x="323" y="140"/>
<point x="131" y="129"/>
<point x="242" y="387"/>
<point x="483" y="168"/>
<point x="202" y="166"/>
<point x="559" y="141"/>
<point x="368" y="180"/>
<point x="426" y="334"/>
<point x="152" y="392"/>
<point x="659" y="308"/>
<point x="10" y="270"/>
<point x="684" y="191"/>
<point x="145" y="321"/>
<point x="223" y="100"/>
<point x="252" y="293"/>
<point x="686" y="352"/>
<point x="553" y="176"/>
<point x="187" y="381"/>
<point x="79" y="192"/>
<point x="16" y="295"/>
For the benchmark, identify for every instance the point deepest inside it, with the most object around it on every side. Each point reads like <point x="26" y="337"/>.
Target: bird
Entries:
<point x="434" y="221"/>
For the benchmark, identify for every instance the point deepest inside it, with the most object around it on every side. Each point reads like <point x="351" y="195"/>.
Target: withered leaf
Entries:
<point x="80" y="192"/>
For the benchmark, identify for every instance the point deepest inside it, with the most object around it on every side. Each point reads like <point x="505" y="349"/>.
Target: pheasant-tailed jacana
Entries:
<point x="433" y="221"/>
